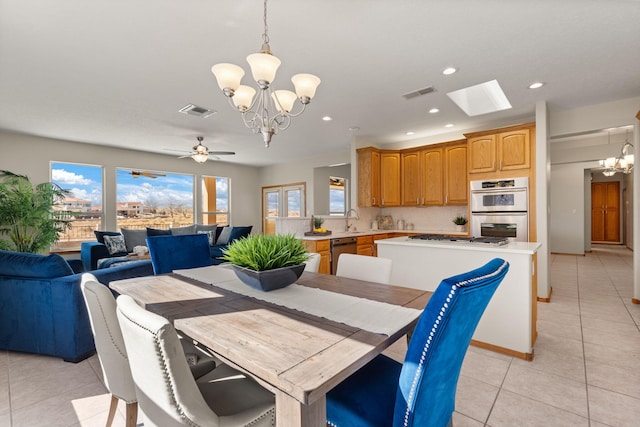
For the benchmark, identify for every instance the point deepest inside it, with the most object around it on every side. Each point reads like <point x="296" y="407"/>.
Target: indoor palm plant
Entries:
<point x="267" y="262"/>
<point x="27" y="214"/>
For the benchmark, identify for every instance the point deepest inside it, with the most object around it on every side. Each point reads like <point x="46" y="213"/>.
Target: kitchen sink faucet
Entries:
<point x="346" y="218"/>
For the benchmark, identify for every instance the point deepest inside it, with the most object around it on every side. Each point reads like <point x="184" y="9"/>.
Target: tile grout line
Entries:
<point x="486" y="422"/>
<point x="584" y="355"/>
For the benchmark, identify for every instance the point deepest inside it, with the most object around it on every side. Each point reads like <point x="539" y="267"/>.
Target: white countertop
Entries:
<point x="340" y="234"/>
<point x="515" y="247"/>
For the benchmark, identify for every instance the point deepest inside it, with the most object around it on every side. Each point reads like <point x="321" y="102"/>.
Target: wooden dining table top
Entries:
<point x="298" y="356"/>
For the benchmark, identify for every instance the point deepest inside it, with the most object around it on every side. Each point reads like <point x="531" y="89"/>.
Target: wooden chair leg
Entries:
<point x="132" y="414"/>
<point x="112" y="410"/>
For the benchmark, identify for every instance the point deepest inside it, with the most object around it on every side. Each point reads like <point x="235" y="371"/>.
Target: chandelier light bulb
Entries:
<point x="263" y="67"/>
<point x="284" y="100"/>
<point x="228" y="76"/>
<point x="306" y="85"/>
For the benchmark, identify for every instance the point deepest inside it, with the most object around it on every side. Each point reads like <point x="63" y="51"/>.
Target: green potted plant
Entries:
<point x="27" y="213"/>
<point x="460" y="221"/>
<point x="267" y="262"/>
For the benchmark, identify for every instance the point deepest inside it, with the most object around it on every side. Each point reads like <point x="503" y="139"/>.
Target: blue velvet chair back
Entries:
<point x="429" y="377"/>
<point x="170" y="253"/>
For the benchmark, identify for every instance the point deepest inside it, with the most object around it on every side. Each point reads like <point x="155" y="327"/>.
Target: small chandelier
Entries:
<point x="623" y="163"/>
<point x="271" y="111"/>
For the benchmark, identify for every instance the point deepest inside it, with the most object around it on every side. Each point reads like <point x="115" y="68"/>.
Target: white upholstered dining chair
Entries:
<point x="362" y="267"/>
<point x="169" y="396"/>
<point x="101" y="306"/>
<point x="313" y="263"/>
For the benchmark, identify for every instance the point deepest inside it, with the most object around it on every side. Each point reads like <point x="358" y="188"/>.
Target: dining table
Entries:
<point x="298" y="342"/>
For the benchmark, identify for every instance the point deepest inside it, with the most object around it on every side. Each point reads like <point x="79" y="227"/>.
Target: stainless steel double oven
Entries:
<point x="499" y="208"/>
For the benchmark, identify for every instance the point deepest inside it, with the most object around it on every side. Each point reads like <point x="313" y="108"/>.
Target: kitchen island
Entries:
<point x="509" y="322"/>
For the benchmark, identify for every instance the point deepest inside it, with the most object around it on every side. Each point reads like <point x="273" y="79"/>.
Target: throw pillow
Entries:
<point x="157" y="232"/>
<point x="100" y="235"/>
<point x="178" y="231"/>
<point x="238" y="232"/>
<point x="223" y="239"/>
<point x="211" y="235"/>
<point x="134" y="237"/>
<point x="115" y="245"/>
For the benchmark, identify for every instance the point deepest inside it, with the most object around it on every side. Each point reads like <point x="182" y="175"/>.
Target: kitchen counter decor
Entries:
<point x="267" y="262"/>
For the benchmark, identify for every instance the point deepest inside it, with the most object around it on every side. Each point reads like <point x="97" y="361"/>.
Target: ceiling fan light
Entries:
<point x="284" y="99"/>
<point x="263" y="67"/>
<point x="306" y="85"/>
<point x="200" y="157"/>
<point x="228" y="76"/>
<point x="243" y="97"/>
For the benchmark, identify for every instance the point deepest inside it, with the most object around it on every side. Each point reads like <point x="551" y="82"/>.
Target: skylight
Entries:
<point x="480" y="99"/>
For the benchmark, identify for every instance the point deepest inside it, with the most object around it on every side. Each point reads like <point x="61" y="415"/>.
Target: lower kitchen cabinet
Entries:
<point x="321" y="247"/>
<point x="365" y="245"/>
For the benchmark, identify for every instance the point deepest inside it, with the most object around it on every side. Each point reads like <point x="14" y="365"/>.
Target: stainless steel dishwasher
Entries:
<point x="342" y="245"/>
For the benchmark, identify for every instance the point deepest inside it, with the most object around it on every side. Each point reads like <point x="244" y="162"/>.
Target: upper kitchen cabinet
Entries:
<point x="389" y="178"/>
<point x="456" y="184"/>
<point x="500" y="150"/>
<point x="368" y="177"/>
<point x="422" y="176"/>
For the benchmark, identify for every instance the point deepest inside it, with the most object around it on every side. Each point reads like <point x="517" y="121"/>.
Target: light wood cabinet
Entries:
<point x="456" y="183"/>
<point x="368" y="177"/>
<point x="411" y="190"/>
<point x="321" y="247"/>
<point x="432" y="167"/>
<point x="503" y="151"/>
<point x="422" y="177"/>
<point x="365" y="245"/>
<point x="378" y="237"/>
<point x="390" y="178"/>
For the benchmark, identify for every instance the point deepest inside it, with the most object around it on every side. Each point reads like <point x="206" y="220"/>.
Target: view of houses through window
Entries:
<point x="143" y="199"/>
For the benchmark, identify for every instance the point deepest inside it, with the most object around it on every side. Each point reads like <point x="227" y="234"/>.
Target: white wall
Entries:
<point x="32" y="155"/>
<point x="567" y="212"/>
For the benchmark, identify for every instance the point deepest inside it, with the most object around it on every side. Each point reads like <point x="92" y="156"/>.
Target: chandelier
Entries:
<point x="271" y="110"/>
<point x="622" y="163"/>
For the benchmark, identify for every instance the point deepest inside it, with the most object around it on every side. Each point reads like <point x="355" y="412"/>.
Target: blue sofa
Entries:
<point x="41" y="306"/>
<point x="91" y="252"/>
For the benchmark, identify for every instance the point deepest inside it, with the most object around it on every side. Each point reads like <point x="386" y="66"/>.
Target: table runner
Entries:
<point x="373" y="316"/>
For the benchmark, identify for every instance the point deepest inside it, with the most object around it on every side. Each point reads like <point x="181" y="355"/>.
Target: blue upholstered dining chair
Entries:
<point x="421" y="392"/>
<point x="170" y="253"/>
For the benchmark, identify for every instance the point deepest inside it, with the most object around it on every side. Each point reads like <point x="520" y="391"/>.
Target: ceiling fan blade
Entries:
<point x="223" y="153"/>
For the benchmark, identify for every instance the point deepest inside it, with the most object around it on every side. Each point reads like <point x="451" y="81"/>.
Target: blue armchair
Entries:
<point x="422" y="391"/>
<point x="41" y="305"/>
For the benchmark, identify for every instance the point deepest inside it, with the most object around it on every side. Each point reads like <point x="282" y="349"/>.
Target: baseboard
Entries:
<point x="526" y="356"/>
<point x="548" y="298"/>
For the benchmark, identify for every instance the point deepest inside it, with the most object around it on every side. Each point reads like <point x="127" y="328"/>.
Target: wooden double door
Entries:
<point x="605" y="212"/>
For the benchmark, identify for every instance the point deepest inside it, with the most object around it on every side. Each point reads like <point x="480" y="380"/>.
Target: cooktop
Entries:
<point x="498" y="241"/>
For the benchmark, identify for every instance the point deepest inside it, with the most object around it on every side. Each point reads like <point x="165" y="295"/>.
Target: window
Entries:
<point x="215" y="200"/>
<point x="153" y="199"/>
<point x="337" y="196"/>
<point x="83" y="207"/>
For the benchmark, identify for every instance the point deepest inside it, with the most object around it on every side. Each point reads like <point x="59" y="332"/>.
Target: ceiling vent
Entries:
<point x="418" y="92"/>
<point x="194" y="110"/>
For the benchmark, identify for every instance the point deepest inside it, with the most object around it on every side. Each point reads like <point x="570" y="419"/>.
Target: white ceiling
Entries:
<point x="117" y="72"/>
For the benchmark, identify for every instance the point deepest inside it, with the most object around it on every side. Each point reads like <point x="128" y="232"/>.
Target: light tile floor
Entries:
<point x="586" y="370"/>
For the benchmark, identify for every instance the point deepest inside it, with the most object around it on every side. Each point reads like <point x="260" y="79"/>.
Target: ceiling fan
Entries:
<point x="148" y="174"/>
<point x="201" y="152"/>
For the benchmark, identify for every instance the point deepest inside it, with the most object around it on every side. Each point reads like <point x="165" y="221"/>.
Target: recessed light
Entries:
<point x="354" y="128"/>
<point x="327" y="118"/>
<point x="409" y="133"/>
<point x="536" y="85"/>
<point x="449" y="125"/>
<point x="449" y="70"/>
<point x="434" y="110"/>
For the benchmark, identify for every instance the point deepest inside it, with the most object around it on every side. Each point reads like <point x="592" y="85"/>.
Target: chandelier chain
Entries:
<point x="265" y="35"/>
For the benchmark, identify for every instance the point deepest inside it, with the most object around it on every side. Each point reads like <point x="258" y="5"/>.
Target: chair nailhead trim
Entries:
<point x="434" y="328"/>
